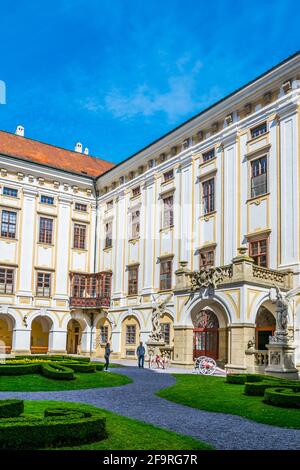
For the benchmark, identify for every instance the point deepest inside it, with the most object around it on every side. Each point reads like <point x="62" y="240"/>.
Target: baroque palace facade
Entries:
<point x="87" y="249"/>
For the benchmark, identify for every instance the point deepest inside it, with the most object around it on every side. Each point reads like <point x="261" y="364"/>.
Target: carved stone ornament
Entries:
<point x="206" y="277"/>
<point x="156" y="334"/>
<point x="275" y="358"/>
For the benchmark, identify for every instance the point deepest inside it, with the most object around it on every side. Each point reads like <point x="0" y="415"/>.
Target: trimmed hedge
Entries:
<point x="20" y="369"/>
<point x="11" y="408"/>
<point x="57" y="371"/>
<point x="259" y="388"/>
<point x="242" y="378"/>
<point x="77" y="367"/>
<point x="285" y="397"/>
<point x="58" y="427"/>
<point x="43" y="357"/>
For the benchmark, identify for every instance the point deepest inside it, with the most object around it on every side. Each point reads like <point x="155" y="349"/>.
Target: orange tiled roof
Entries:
<point x="56" y="157"/>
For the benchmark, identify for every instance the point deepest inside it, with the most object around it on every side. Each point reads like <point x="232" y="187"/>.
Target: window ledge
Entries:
<point x="203" y="164"/>
<point x="9" y="239"/>
<point x="257" y="199"/>
<point x="107" y="248"/>
<point x="134" y="240"/>
<point x="208" y="215"/>
<point x="166" y="229"/>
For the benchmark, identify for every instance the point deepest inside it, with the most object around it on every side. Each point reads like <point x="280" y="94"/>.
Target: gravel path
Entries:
<point x="137" y="400"/>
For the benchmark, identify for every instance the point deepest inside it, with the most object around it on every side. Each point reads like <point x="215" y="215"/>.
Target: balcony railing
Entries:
<point x="90" y="290"/>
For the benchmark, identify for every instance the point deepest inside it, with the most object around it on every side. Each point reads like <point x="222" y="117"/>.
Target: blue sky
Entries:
<point x="117" y="74"/>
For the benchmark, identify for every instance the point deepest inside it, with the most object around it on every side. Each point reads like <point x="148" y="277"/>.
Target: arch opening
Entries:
<point x="7" y="324"/>
<point x="265" y="327"/>
<point x="40" y="342"/>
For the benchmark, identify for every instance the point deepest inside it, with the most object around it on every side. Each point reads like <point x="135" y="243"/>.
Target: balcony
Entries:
<point x="90" y="290"/>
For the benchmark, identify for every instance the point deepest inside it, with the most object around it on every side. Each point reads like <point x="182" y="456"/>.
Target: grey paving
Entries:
<point x="138" y="400"/>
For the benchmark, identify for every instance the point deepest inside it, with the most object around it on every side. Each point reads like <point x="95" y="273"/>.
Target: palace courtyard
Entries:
<point x="204" y="412"/>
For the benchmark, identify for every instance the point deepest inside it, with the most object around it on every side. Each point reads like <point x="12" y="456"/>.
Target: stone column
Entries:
<point x="240" y="334"/>
<point x="183" y="346"/>
<point x="21" y="341"/>
<point x="63" y="247"/>
<point x="58" y="342"/>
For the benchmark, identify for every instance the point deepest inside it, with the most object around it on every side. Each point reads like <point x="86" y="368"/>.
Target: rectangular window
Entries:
<point x="108" y="235"/>
<point x="259" y="130"/>
<point x="165" y="329"/>
<point x="166" y="274"/>
<point x="80" y="207"/>
<point x="207" y="258"/>
<point x="135" y="224"/>
<point x="46" y="230"/>
<point x="47" y="200"/>
<point x="43" y="285"/>
<point x="8" y="224"/>
<point x="169" y="175"/>
<point x="259" y="177"/>
<point x="136" y="191"/>
<point x="79" y="236"/>
<point x="258" y="250"/>
<point x="209" y="155"/>
<point x="6" y="281"/>
<point x="168" y="215"/>
<point x="133" y="276"/>
<point x="130" y="334"/>
<point x="103" y="334"/>
<point x="10" y="192"/>
<point x="208" y="196"/>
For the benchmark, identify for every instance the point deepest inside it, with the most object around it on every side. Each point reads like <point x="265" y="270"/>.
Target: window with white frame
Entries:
<point x="133" y="276"/>
<point x="168" y="211"/>
<point x="130" y="334"/>
<point x="258" y="130"/>
<point x="6" y="280"/>
<point x="209" y="155"/>
<point x="108" y="234"/>
<point x="11" y="192"/>
<point x="47" y="200"/>
<point x="208" y="196"/>
<point x="259" y="176"/>
<point x="43" y="284"/>
<point x="135" y="224"/>
<point x="103" y="334"/>
<point x="8" y="224"/>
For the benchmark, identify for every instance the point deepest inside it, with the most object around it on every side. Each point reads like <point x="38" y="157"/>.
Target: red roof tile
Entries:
<point x="56" y="157"/>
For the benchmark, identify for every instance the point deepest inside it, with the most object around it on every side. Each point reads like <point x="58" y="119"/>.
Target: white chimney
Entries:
<point x="20" y="131"/>
<point x="86" y="151"/>
<point x="78" y="147"/>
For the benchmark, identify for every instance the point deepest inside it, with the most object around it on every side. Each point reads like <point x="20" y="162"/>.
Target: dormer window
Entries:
<point x="169" y="175"/>
<point x="47" y="200"/>
<point x="259" y="130"/>
<point x="11" y="192"/>
<point x="209" y="155"/>
<point x="136" y="191"/>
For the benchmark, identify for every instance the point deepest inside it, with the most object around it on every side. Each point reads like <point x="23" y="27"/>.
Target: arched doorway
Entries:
<point x="103" y="336"/>
<point x="206" y="334"/>
<point x="6" y="334"/>
<point x="40" y="330"/>
<point x="74" y="337"/>
<point x="265" y="327"/>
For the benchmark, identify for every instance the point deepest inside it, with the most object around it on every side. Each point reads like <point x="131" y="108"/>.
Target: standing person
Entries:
<point x="106" y="356"/>
<point x="141" y="354"/>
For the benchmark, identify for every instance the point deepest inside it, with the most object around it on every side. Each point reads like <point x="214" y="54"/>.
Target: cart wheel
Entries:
<point x="207" y="366"/>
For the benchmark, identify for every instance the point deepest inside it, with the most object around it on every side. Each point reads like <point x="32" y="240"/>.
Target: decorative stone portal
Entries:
<point x="206" y="334"/>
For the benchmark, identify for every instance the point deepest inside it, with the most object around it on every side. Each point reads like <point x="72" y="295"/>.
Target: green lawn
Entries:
<point x="37" y="383"/>
<point x="214" y="394"/>
<point x="124" y="433"/>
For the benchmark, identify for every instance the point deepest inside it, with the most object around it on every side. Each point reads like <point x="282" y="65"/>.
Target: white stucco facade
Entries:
<point x="141" y="185"/>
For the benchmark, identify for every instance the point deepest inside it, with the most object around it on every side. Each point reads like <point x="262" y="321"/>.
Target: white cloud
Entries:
<point x="181" y="97"/>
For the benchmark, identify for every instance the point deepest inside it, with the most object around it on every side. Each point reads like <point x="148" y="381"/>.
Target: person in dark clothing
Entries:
<point x="141" y="354"/>
<point x="106" y="355"/>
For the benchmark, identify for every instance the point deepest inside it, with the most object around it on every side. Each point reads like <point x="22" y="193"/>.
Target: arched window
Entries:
<point x="265" y="327"/>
